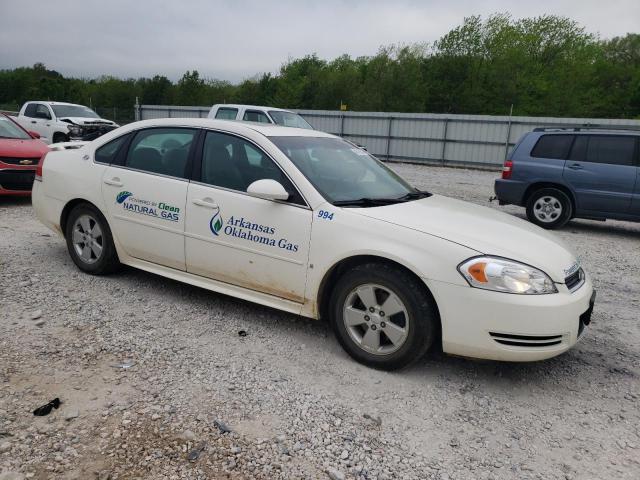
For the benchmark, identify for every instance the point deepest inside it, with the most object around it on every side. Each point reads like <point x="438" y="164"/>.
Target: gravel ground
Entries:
<point x="152" y="373"/>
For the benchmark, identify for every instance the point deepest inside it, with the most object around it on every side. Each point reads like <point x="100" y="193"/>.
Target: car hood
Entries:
<point x="482" y="229"/>
<point x="28" y="148"/>
<point x="87" y="121"/>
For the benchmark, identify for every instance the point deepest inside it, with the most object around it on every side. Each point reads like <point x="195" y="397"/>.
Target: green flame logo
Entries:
<point x="216" y="222"/>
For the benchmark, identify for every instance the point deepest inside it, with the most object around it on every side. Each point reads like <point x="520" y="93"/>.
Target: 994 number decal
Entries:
<point x="325" y="215"/>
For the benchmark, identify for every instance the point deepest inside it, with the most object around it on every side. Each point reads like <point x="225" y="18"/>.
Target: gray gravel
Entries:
<point x="148" y="370"/>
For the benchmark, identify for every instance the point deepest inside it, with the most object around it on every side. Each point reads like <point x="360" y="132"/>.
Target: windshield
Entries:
<point x="345" y="174"/>
<point x="289" y="119"/>
<point x="62" y="111"/>
<point x="8" y="129"/>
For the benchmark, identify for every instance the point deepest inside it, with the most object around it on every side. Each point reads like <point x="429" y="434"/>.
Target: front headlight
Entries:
<point x="504" y="275"/>
<point x="75" y="130"/>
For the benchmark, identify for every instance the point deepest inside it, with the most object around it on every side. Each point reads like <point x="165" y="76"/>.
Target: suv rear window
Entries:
<point x="552" y="146"/>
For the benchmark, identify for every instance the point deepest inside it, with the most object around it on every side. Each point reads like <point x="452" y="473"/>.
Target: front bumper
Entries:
<point x="518" y="328"/>
<point x="15" y="180"/>
<point x="89" y="133"/>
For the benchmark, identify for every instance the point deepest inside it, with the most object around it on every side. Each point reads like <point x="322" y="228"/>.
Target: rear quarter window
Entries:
<point x="107" y="153"/>
<point x="226" y="113"/>
<point x="552" y="146"/>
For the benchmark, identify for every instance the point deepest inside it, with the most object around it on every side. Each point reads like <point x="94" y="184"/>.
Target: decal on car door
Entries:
<point x="246" y="229"/>
<point x="147" y="207"/>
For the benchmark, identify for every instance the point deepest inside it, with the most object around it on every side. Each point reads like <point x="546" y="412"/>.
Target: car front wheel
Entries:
<point x="383" y="316"/>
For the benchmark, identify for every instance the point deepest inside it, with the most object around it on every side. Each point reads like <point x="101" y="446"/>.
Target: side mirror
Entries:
<point x="33" y="134"/>
<point x="267" y="189"/>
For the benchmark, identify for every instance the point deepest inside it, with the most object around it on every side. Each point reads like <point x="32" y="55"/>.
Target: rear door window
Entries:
<point x="611" y="149"/>
<point x="161" y="150"/>
<point x="552" y="146"/>
<point x="226" y="113"/>
<point x="255" y="116"/>
<point x="579" y="149"/>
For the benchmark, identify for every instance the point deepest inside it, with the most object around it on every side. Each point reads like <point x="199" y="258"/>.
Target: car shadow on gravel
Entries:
<point x="8" y="201"/>
<point x="615" y="228"/>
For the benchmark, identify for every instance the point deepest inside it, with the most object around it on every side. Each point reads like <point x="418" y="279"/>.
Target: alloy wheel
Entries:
<point x="376" y="319"/>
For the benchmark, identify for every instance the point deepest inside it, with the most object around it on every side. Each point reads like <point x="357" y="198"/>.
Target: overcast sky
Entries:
<point x="233" y="40"/>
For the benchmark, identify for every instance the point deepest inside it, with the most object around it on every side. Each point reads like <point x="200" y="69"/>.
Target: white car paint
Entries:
<point x="49" y="127"/>
<point x="430" y="237"/>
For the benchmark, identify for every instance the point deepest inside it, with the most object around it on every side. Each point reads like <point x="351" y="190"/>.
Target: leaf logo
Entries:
<point x="216" y="222"/>
<point x="122" y="196"/>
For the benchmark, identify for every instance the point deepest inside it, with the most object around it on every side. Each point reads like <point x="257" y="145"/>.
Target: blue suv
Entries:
<point x="559" y="174"/>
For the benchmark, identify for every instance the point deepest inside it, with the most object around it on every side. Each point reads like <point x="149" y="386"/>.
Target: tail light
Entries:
<point x="39" y="167"/>
<point x="507" y="169"/>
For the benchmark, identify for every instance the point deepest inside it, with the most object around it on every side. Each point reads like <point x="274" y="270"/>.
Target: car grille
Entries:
<point x="17" y="179"/>
<point x="20" y="161"/>
<point x="575" y="280"/>
<point x="526" y="340"/>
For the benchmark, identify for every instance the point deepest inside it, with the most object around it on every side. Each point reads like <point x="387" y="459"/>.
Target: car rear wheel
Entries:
<point x="549" y="208"/>
<point x="89" y="241"/>
<point x="383" y="316"/>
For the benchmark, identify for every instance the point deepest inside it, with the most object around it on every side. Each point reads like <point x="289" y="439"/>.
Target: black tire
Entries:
<point x="59" y="138"/>
<point x="557" y="200"/>
<point x="422" y="325"/>
<point x="104" y="263"/>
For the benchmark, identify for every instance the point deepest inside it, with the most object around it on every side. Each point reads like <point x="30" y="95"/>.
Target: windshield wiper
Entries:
<point x="377" y="202"/>
<point x="414" y="195"/>
<point x="366" y="202"/>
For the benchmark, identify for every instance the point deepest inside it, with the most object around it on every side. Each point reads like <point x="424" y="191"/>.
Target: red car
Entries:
<point x="20" y="152"/>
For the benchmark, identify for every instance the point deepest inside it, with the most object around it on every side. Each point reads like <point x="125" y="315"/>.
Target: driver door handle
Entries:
<point x="114" y="182"/>
<point x="576" y="166"/>
<point x="205" y="202"/>
<point x="33" y="121"/>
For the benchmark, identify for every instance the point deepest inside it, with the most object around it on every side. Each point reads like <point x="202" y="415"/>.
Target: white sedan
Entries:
<point x="303" y="221"/>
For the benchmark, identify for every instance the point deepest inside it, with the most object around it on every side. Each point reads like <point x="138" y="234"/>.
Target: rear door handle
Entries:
<point x="33" y="121"/>
<point x="114" y="182"/>
<point x="576" y="166"/>
<point x="205" y="202"/>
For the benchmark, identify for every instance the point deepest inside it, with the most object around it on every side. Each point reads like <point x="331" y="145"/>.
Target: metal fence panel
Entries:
<point x="465" y="140"/>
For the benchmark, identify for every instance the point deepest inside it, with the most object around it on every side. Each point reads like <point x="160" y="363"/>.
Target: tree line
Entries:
<point x="543" y="66"/>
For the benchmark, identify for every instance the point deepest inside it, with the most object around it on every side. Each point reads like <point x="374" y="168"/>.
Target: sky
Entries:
<point x="234" y="40"/>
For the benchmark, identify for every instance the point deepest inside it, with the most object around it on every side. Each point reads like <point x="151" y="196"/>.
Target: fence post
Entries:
<point x="341" y="124"/>
<point x="168" y="112"/>
<point x="389" y="139"/>
<point x="444" y="141"/>
<point x="506" y="142"/>
<point x="136" y="110"/>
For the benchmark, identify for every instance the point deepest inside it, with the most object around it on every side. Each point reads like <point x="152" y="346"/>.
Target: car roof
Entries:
<point x="257" y="107"/>
<point x="586" y="131"/>
<point x="266" y="129"/>
<point x="49" y="102"/>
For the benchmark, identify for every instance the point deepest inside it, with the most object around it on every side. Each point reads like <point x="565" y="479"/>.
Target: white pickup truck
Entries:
<point x="58" y="122"/>
<point x="255" y="113"/>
